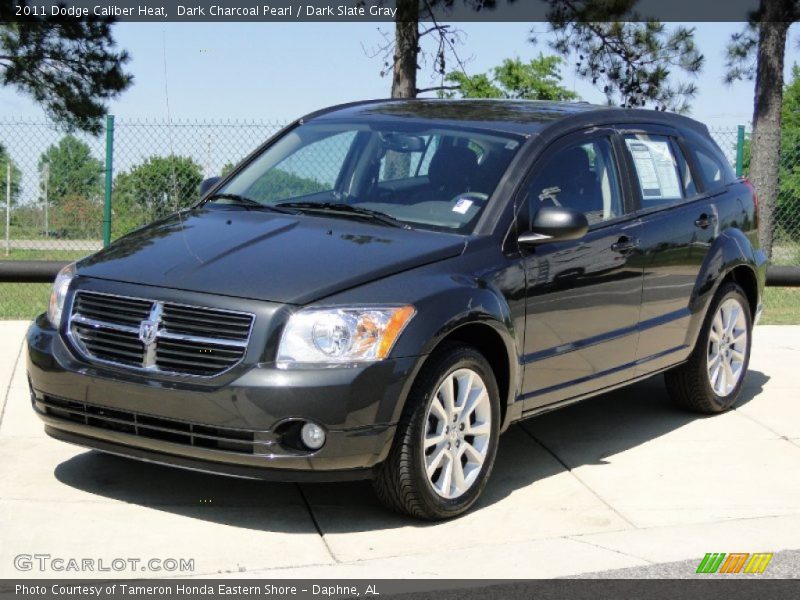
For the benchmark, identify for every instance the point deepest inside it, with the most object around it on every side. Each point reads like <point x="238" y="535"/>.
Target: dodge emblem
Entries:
<point x="148" y="331"/>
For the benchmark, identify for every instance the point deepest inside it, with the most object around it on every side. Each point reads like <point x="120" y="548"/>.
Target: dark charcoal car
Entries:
<point x="383" y="287"/>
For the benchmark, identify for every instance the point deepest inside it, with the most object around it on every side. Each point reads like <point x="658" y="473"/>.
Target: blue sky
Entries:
<point x="277" y="71"/>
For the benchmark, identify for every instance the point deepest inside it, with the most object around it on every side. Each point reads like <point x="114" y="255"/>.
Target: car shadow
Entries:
<point x="529" y="452"/>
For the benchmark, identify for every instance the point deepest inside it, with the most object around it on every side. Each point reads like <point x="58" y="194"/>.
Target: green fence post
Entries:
<point x="109" y="179"/>
<point x="740" y="151"/>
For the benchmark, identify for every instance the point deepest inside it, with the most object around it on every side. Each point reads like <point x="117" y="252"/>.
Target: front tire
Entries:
<point x="446" y="441"/>
<point x="710" y="381"/>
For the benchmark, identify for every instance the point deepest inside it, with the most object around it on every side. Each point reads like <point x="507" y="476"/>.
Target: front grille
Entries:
<point x="163" y="337"/>
<point x="241" y="441"/>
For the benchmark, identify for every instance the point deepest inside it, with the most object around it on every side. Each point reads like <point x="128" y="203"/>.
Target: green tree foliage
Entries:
<point x="632" y="59"/>
<point x="78" y="217"/>
<point x="73" y="171"/>
<point x="473" y="86"/>
<point x="790" y="108"/>
<point x="539" y="79"/>
<point x="226" y="168"/>
<point x="69" y="66"/>
<point x="161" y="185"/>
<point x="16" y="175"/>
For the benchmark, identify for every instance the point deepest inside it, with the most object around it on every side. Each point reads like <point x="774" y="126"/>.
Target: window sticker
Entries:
<point x="462" y="206"/>
<point x="656" y="169"/>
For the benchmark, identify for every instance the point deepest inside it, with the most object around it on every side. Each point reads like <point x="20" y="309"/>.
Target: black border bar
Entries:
<point x="368" y="11"/>
<point x="408" y="589"/>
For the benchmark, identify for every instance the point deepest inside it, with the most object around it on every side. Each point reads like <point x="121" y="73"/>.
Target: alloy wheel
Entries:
<point x="457" y="434"/>
<point x="727" y="347"/>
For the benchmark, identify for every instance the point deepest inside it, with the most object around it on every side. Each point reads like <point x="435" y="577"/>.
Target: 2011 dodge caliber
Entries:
<point x="384" y="287"/>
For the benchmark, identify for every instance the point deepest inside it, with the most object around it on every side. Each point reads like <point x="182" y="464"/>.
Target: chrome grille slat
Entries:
<point x="137" y="311"/>
<point x="184" y="340"/>
<point x="178" y="353"/>
<point x="169" y="335"/>
<point x="213" y="312"/>
<point x="195" y="360"/>
<point x="108" y="300"/>
<point x="209" y="323"/>
<point x="172" y="327"/>
<point x="171" y="313"/>
<point x="81" y="320"/>
<point x="98" y="348"/>
<point x="90" y="335"/>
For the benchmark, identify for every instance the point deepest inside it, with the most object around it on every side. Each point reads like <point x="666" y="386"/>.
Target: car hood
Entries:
<point x="253" y="254"/>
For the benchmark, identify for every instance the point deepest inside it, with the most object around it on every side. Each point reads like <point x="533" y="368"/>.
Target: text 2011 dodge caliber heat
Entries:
<point x="384" y="287"/>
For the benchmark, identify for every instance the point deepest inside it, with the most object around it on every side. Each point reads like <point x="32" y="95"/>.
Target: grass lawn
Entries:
<point x="781" y="306"/>
<point x="26" y="300"/>
<point x="42" y="254"/>
<point x="23" y="300"/>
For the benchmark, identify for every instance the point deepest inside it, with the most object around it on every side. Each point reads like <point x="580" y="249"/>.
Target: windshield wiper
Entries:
<point x="248" y="203"/>
<point x="348" y="209"/>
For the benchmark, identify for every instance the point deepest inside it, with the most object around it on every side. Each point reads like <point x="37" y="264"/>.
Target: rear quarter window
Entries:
<point x="712" y="167"/>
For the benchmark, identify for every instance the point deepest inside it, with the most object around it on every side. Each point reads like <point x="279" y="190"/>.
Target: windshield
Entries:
<point x="420" y="175"/>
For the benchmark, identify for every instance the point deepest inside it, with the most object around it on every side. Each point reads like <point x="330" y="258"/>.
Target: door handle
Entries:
<point x="625" y="244"/>
<point x="705" y="220"/>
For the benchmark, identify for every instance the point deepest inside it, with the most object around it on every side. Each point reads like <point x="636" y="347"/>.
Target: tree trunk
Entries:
<point x="406" y="45"/>
<point x="766" y="144"/>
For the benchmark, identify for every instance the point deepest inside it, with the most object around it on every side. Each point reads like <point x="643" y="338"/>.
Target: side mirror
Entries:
<point x="207" y="184"/>
<point x="555" y="224"/>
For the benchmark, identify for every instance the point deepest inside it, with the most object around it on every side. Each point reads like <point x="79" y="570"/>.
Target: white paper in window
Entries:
<point x="656" y="169"/>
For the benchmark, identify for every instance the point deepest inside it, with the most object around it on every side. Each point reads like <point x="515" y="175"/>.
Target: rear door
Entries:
<point x="679" y="222"/>
<point x="582" y="296"/>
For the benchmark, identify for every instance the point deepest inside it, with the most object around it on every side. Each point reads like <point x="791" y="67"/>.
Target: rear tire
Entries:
<point x="446" y="441"/>
<point x="710" y="381"/>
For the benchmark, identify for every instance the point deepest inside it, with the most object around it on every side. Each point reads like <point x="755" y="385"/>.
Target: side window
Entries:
<point x="713" y="170"/>
<point x="314" y="168"/>
<point x="403" y="165"/>
<point x="583" y="177"/>
<point x="656" y="168"/>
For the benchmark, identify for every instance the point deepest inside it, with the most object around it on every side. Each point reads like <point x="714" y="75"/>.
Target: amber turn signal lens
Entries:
<point x="393" y="329"/>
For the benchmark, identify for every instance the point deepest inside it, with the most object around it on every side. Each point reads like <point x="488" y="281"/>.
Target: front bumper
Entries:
<point x="241" y="427"/>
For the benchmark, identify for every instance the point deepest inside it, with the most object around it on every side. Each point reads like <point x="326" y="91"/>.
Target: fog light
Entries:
<point x="313" y="436"/>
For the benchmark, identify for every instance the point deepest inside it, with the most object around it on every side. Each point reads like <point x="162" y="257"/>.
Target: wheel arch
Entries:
<point x="731" y="258"/>
<point x="745" y="277"/>
<point x="485" y="338"/>
<point x="489" y="336"/>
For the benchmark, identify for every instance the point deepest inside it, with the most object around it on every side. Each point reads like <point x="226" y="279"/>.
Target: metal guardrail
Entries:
<point x="45" y="271"/>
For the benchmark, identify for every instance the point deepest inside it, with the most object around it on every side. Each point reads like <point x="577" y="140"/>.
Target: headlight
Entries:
<point x="59" y="294"/>
<point x="337" y="336"/>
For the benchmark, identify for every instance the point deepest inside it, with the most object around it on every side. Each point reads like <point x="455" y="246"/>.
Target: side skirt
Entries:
<point x="566" y="402"/>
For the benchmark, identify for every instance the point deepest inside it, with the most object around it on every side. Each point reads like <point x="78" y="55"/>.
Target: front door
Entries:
<point x="583" y="296"/>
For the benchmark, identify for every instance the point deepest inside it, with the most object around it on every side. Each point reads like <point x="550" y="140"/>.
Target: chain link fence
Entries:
<point x="56" y="184"/>
<point x="782" y="304"/>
